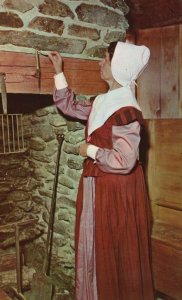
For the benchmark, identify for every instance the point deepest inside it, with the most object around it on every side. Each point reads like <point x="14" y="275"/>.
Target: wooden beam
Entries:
<point x="154" y="13"/>
<point x="20" y="68"/>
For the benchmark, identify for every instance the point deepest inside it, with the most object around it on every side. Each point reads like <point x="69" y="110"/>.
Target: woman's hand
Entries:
<point x="57" y="61"/>
<point x="83" y="149"/>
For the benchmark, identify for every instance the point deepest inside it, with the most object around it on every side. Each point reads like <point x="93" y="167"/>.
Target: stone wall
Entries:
<point x="77" y="29"/>
<point x="26" y="190"/>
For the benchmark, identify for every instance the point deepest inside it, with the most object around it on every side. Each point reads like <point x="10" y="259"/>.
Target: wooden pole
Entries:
<point x="18" y="259"/>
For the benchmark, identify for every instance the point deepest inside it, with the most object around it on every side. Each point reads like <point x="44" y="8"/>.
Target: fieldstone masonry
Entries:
<point x="77" y="29"/>
<point x="71" y="27"/>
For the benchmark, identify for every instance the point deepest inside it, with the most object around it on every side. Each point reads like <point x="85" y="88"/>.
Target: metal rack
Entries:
<point x="11" y="126"/>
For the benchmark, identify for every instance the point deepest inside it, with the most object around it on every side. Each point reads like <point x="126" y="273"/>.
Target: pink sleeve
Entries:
<point x="66" y="102"/>
<point x="123" y="155"/>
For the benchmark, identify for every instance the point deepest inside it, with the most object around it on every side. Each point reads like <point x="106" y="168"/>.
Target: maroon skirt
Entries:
<point x="121" y="236"/>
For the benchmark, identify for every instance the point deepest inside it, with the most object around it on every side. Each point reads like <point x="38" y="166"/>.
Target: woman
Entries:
<point x="112" y="219"/>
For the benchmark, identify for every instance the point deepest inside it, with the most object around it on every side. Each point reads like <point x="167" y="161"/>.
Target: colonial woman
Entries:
<point x="112" y="232"/>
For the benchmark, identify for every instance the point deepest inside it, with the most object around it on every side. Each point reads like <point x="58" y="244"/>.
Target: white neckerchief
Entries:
<point x="106" y="104"/>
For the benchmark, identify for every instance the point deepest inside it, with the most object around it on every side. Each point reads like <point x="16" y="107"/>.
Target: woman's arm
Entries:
<point x="122" y="157"/>
<point x="63" y="97"/>
<point x="65" y="100"/>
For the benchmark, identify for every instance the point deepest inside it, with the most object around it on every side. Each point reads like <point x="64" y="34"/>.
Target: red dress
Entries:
<point x="121" y="224"/>
<point x="112" y="234"/>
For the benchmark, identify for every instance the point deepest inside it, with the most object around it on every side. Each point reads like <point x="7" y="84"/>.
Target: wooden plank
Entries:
<point x="167" y="266"/>
<point x="167" y="234"/>
<point x="148" y="91"/>
<point x="164" y="170"/>
<point x="168" y="161"/>
<point x="169" y="72"/>
<point x="164" y="178"/>
<point x="180" y="71"/>
<point x="170" y="216"/>
<point x="83" y="75"/>
<point x="160" y="86"/>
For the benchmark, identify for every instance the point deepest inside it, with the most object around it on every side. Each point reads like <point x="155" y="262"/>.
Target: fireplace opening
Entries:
<point x="26" y="187"/>
<point x="26" y="103"/>
<point x="11" y="121"/>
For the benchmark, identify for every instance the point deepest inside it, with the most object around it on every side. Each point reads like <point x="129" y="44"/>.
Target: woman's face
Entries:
<point x="105" y="68"/>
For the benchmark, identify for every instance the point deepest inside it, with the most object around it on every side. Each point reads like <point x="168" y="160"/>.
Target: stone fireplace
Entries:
<point x="78" y="29"/>
<point x="26" y="183"/>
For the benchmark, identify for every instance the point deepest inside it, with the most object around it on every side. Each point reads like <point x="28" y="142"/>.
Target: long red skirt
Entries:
<point x="121" y="237"/>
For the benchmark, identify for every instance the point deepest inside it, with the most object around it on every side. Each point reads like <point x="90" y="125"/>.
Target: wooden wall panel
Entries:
<point x="170" y="284"/>
<point x="180" y="71"/>
<point x="164" y="179"/>
<point x="170" y="216"/>
<point x="149" y="83"/>
<point x="168" y="161"/>
<point x="164" y="167"/>
<point x="160" y="85"/>
<point x="167" y="235"/>
<point x="169" y="72"/>
<point x="20" y="68"/>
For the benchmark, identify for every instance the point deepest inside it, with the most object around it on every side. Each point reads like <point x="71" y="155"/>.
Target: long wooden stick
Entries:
<point x="18" y="260"/>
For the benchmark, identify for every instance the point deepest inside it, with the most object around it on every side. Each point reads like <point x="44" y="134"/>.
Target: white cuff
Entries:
<point x="91" y="151"/>
<point x="60" y="81"/>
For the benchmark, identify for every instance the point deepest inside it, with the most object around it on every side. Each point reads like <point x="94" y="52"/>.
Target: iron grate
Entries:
<point x="11" y="133"/>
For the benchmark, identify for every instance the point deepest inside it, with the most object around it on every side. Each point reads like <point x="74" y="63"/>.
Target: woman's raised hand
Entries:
<point x="57" y="61"/>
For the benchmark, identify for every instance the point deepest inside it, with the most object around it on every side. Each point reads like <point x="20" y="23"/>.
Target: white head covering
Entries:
<point x="128" y="62"/>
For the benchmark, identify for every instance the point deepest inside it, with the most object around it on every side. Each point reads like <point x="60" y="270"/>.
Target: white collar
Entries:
<point x="106" y="104"/>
